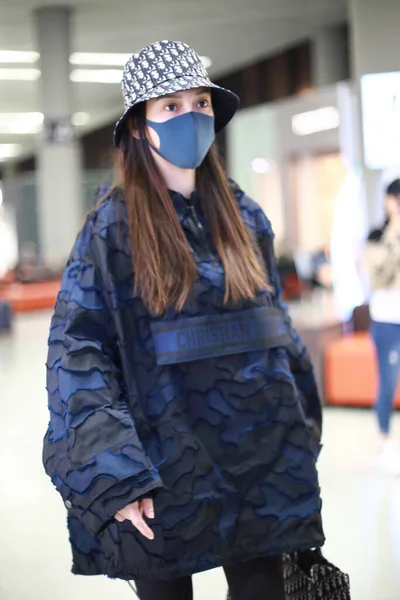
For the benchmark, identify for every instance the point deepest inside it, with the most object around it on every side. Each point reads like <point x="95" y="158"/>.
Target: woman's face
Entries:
<point x="174" y="105"/>
<point x="392" y="206"/>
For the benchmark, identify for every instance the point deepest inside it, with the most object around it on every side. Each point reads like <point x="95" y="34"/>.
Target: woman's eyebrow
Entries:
<point x="177" y="95"/>
<point x="170" y="96"/>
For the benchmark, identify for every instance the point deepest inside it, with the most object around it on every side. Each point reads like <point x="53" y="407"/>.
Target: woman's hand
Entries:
<point x="134" y="513"/>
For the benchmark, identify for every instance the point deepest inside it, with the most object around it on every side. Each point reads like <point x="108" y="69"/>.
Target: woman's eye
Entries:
<point x="203" y="104"/>
<point x="171" y="107"/>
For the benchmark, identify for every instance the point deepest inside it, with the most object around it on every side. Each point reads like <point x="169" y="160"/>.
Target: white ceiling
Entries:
<point x="232" y="33"/>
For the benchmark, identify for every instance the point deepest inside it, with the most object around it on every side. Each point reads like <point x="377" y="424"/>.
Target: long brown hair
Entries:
<point x="164" y="266"/>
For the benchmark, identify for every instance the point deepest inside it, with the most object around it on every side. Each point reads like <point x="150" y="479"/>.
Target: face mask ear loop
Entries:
<point x="146" y="139"/>
<point x="153" y="147"/>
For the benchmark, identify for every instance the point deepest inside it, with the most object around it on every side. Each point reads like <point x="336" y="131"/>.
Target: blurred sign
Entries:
<point x="380" y="95"/>
<point x="59" y="131"/>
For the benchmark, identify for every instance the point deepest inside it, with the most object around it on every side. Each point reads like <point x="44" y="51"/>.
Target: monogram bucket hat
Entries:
<point x="165" y="68"/>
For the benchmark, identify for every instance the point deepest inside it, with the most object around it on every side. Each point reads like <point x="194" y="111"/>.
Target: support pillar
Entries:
<point x="59" y="198"/>
<point x="329" y="56"/>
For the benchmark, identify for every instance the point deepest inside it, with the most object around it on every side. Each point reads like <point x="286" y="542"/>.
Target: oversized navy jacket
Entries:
<point x="213" y="411"/>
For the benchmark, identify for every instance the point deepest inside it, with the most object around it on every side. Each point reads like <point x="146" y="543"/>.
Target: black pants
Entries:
<point x="260" y="579"/>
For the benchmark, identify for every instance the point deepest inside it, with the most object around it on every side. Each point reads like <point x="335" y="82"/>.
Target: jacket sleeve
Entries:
<point x="299" y="359"/>
<point x="91" y="449"/>
<point x="382" y="260"/>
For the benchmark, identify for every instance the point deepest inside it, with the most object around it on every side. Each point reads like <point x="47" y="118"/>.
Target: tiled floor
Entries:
<point x="361" y="506"/>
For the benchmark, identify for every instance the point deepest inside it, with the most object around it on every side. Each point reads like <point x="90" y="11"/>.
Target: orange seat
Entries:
<point x="351" y="374"/>
<point x="26" y="297"/>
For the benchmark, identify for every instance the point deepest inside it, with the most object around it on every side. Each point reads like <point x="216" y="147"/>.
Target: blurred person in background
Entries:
<point x="185" y="419"/>
<point x="382" y="262"/>
<point x="321" y="266"/>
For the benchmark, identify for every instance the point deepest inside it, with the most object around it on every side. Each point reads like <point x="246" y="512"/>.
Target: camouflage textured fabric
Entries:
<point x="226" y="444"/>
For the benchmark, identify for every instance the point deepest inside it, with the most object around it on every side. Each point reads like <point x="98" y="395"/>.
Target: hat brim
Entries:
<point x="225" y="103"/>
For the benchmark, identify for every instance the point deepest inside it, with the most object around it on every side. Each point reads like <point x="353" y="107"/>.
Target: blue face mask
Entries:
<point x="185" y="140"/>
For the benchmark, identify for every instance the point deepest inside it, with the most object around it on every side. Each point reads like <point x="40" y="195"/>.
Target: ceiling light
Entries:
<point x="106" y="59"/>
<point x="20" y="123"/>
<point x="207" y="62"/>
<point x="19" y="74"/>
<point x="261" y="166"/>
<point x="16" y="56"/>
<point x="80" y="118"/>
<point x="31" y="123"/>
<point x="315" y="121"/>
<point x="20" y="128"/>
<point x="97" y="75"/>
<point x="111" y="59"/>
<point x="9" y="151"/>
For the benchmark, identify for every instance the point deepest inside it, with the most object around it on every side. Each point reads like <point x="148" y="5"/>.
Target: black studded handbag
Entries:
<point x="309" y="576"/>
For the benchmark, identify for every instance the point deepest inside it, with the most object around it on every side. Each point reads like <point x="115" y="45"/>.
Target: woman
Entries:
<point x="382" y="259"/>
<point x="185" y="418"/>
